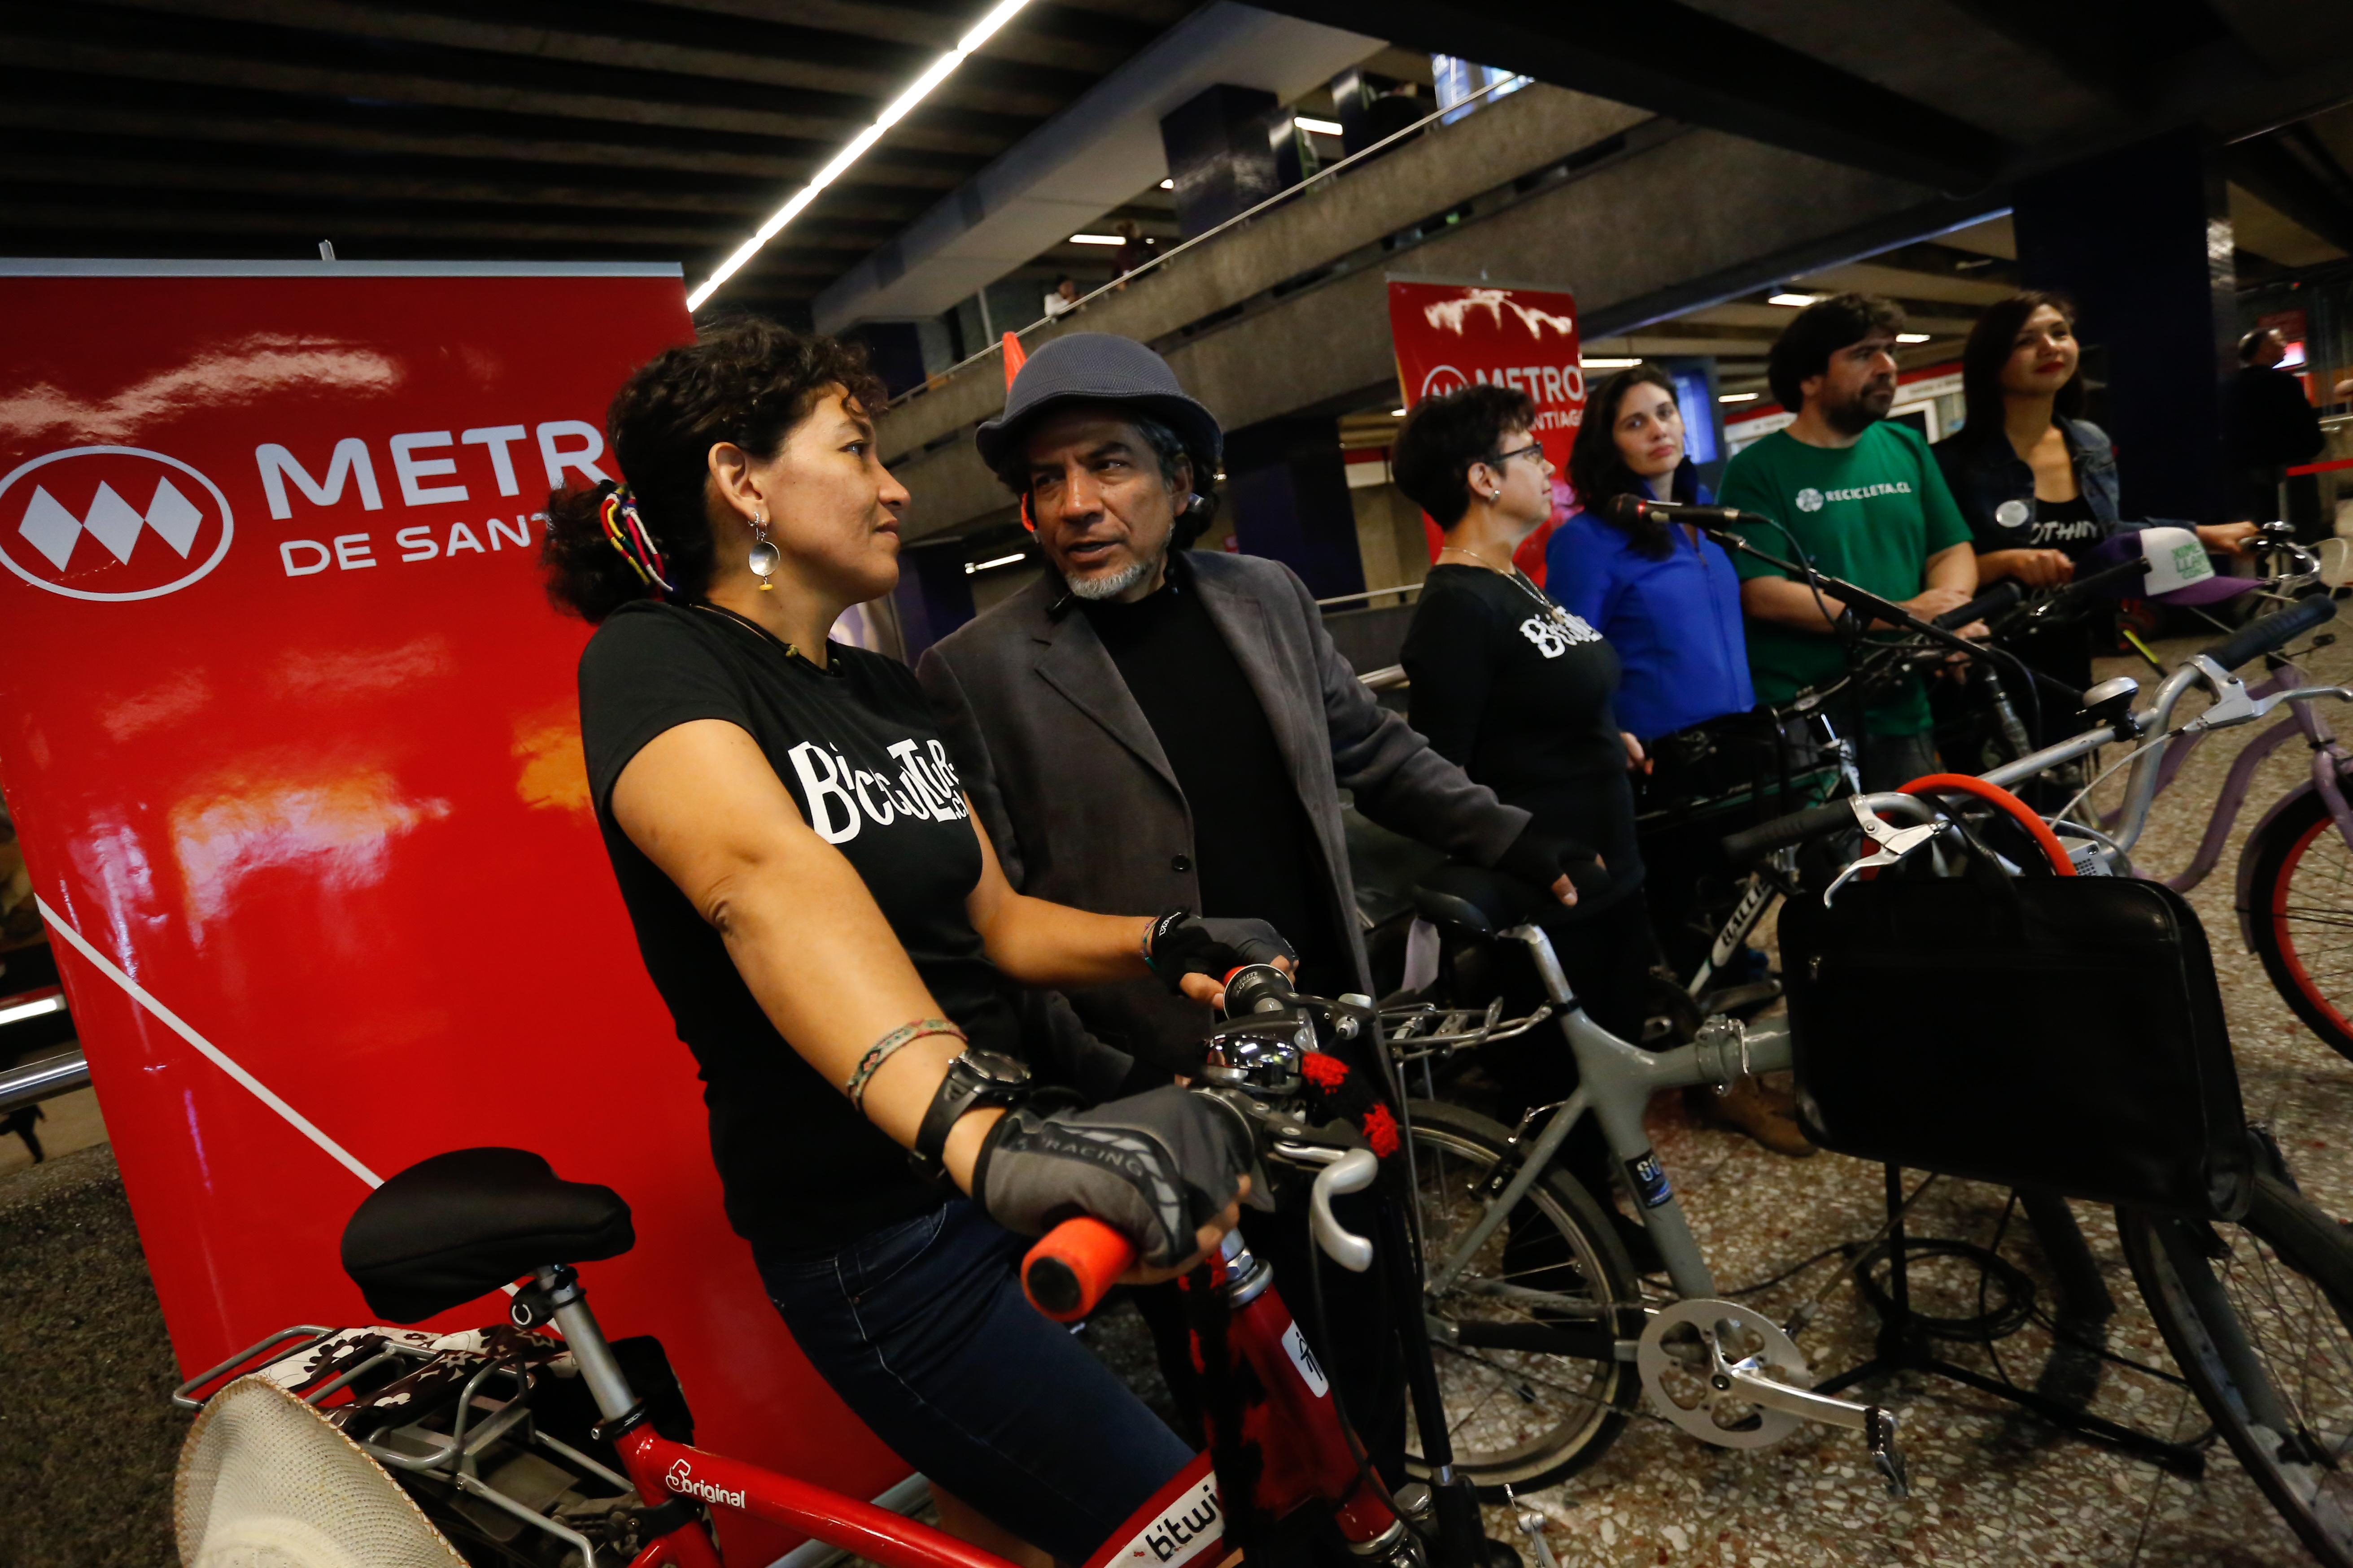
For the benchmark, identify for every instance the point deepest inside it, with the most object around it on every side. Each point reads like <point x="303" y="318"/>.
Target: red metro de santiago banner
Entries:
<point x="288" y="729"/>
<point x="1453" y="335"/>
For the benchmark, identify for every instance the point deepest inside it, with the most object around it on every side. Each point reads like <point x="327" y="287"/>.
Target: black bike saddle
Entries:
<point x="460" y="1224"/>
<point x="1475" y="898"/>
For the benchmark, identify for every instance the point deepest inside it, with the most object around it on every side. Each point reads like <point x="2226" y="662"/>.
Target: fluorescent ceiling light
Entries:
<point x="1002" y="13"/>
<point x="972" y="566"/>
<point x="1167" y="184"/>
<point x="23" y="1011"/>
<point x="1097" y="239"/>
<point x="1736" y="397"/>
<point x="1321" y="127"/>
<point x="1796" y="302"/>
<point x="1911" y="337"/>
<point x="1608" y="363"/>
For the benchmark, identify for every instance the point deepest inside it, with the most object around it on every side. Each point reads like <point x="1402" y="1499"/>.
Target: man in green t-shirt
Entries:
<point x="1861" y="499"/>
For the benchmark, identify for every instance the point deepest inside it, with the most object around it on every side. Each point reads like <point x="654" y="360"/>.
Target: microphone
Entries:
<point x="1626" y="511"/>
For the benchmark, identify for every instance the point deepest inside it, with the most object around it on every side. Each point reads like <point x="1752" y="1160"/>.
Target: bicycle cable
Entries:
<point x="2077" y="798"/>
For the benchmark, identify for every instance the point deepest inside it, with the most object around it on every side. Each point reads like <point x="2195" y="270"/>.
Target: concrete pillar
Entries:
<point x="1228" y="147"/>
<point x="934" y="596"/>
<point x="1289" y="493"/>
<point x="2141" y="239"/>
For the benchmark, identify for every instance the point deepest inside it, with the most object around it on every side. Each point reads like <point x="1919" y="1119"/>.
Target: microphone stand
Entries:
<point x="1869" y="606"/>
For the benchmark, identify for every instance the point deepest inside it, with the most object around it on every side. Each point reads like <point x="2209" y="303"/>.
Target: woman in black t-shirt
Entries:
<point x="2037" y="481"/>
<point x="1517" y="690"/>
<point x="835" y="941"/>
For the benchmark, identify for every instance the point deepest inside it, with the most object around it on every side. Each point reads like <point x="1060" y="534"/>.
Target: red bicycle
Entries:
<point x="540" y="1442"/>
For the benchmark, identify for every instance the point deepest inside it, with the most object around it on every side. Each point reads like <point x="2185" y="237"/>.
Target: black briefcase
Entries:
<point x="2043" y="1031"/>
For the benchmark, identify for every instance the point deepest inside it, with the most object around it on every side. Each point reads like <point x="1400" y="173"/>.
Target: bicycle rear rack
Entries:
<point x="1425" y="1031"/>
<point x="322" y="1362"/>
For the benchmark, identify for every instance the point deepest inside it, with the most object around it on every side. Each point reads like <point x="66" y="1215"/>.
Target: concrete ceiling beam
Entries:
<point x="90" y="119"/>
<point x="1674" y="59"/>
<point x="238" y="74"/>
<point x="746" y="61"/>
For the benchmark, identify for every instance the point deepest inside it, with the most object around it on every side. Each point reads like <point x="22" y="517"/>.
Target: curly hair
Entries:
<point x="1804" y="348"/>
<point x="1444" y="435"/>
<point x="746" y="381"/>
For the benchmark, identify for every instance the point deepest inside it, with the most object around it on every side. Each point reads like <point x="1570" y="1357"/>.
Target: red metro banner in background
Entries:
<point x="288" y="729"/>
<point x="1453" y="335"/>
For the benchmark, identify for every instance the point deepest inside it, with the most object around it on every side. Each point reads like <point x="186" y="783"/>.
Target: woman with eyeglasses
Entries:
<point x="1518" y="692"/>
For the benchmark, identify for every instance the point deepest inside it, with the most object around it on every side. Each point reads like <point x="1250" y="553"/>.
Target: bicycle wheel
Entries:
<point x="2259" y="1317"/>
<point x="1520" y="1417"/>
<point x="2302" y="900"/>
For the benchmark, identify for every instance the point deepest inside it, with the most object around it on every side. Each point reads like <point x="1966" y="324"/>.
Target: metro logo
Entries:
<point x="72" y="522"/>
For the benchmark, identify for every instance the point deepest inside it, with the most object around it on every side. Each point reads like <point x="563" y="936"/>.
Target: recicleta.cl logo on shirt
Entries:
<point x="842" y="799"/>
<point x="1812" y="500"/>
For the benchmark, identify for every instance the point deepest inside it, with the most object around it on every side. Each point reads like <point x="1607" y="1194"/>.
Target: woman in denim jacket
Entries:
<point x="2038" y="482"/>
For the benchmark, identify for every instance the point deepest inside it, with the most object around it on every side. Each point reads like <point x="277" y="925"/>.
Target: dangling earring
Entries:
<point x="764" y="557"/>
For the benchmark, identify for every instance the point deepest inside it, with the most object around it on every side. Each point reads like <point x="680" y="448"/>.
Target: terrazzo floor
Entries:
<point x="1990" y="1486"/>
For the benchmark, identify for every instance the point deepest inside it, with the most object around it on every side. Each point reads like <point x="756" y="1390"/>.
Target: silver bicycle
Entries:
<point x="1546" y="1336"/>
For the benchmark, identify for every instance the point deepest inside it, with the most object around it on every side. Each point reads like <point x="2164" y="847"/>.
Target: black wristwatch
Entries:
<point x="975" y="1078"/>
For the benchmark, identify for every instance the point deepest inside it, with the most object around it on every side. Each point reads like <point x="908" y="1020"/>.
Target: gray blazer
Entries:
<point x="1082" y="805"/>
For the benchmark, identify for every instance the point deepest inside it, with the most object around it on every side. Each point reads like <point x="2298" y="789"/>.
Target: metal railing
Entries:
<point x="1493" y="88"/>
<point x="1367" y="594"/>
<point x="44" y="1080"/>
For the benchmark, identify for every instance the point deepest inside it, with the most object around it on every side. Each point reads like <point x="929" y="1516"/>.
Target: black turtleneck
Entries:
<point x="1253" y="846"/>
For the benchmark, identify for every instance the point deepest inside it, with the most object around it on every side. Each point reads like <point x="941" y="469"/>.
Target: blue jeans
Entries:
<point x="922" y="1329"/>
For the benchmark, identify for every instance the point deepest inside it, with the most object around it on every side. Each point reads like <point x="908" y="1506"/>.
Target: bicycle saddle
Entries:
<point x="1472" y="898"/>
<point x="460" y="1224"/>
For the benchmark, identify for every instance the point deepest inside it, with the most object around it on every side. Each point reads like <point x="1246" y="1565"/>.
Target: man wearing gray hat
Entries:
<point x="1151" y="723"/>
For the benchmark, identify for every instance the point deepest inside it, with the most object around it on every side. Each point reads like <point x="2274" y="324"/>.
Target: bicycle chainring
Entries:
<point x="1677" y="1360"/>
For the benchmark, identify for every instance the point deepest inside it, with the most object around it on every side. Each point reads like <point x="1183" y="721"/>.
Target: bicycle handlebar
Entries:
<point x="1985" y="605"/>
<point x="1755" y="843"/>
<point x="2272" y="632"/>
<point x="1068" y="1272"/>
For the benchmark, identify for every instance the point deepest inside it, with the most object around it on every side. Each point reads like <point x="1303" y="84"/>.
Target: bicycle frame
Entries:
<point x="2158" y="766"/>
<point x="1617" y="1083"/>
<point x="662" y="1470"/>
<point x="1617" y="1080"/>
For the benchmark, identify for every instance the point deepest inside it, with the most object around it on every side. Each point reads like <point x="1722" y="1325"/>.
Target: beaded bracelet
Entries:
<point x="905" y="1034"/>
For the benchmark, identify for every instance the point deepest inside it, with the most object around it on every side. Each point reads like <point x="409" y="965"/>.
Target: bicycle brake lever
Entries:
<point x="2233" y="705"/>
<point x="1895" y="843"/>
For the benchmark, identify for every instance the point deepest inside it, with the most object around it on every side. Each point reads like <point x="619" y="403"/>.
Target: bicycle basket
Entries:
<point x="266" y="1481"/>
<point x="2056" y="1032"/>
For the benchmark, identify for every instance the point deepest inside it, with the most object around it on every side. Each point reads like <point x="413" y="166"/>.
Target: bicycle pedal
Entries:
<point x="1879" y="1432"/>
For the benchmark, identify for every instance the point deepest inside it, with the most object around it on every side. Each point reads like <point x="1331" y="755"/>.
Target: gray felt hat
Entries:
<point x="1101" y="367"/>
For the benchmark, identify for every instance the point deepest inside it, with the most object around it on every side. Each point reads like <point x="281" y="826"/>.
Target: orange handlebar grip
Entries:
<point x="1068" y="1271"/>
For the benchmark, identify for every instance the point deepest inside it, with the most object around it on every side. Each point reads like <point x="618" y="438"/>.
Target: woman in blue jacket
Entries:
<point x="1667" y="599"/>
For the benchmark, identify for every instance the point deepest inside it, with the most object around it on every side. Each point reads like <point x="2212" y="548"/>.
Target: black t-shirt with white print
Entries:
<point x="1516" y="692"/>
<point x="856" y="747"/>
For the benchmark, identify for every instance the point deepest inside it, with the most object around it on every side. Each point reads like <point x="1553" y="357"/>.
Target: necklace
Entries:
<point x="791" y="650"/>
<point x="1511" y="574"/>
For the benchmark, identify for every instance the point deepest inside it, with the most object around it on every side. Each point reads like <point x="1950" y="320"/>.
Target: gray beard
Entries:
<point x="1111" y="584"/>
